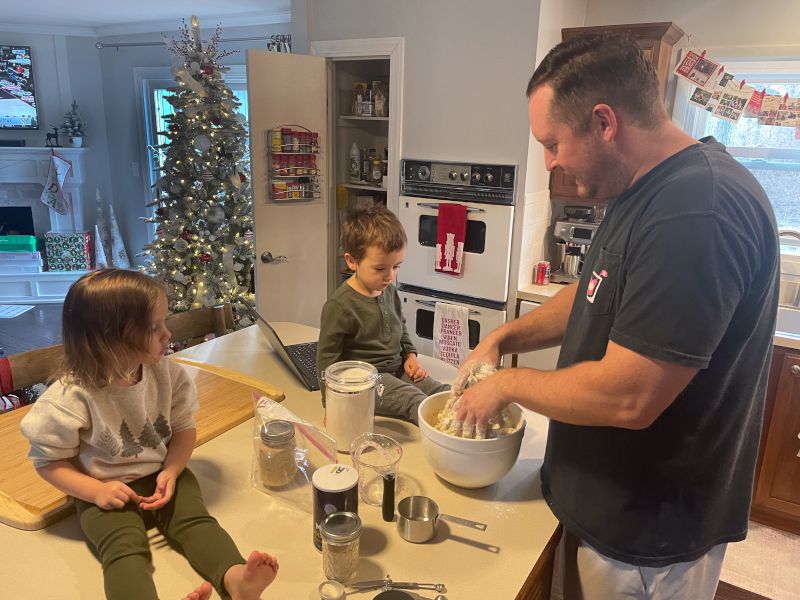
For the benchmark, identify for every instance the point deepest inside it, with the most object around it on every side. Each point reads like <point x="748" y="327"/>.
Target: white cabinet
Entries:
<point x="298" y="257"/>
<point x="544" y="360"/>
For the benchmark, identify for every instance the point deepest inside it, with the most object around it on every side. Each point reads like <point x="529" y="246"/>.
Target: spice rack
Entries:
<point x="292" y="152"/>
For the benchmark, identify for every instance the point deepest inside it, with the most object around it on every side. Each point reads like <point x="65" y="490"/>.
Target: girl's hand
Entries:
<point x="413" y="369"/>
<point x="114" y="494"/>
<point x="165" y="487"/>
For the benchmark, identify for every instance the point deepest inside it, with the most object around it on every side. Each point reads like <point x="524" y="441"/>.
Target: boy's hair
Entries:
<point x="106" y="325"/>
<point x="600" y="68"/>
<point x="373" y="226"/>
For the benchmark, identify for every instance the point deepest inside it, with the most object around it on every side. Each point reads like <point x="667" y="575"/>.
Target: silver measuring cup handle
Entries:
<point x="464" y="522"/>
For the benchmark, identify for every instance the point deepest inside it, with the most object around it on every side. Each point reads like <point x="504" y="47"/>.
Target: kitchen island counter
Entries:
<point x="56" y="562"/>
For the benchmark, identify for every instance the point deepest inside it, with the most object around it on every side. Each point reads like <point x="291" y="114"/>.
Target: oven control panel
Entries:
<point x="478" y="182"/>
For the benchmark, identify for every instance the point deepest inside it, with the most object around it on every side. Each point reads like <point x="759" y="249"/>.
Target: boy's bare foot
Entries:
<point x="247" y="581"/>
<point x="203" y="592"/>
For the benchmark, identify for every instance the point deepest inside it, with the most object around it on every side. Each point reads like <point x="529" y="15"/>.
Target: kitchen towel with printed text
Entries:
<point x="450" y="233"/>
<point x="450" y="333"/>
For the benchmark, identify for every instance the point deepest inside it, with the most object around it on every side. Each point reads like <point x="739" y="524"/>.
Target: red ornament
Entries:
<point x="242" y="178"/>
<point x="207" y="69"/>
<point x="161" y="212"/>
<point x="205" y="258"/>
<point x="186" y="234"/>
<point x="215" y="119"/>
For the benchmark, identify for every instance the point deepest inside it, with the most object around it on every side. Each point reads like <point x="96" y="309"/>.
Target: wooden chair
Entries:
<point x="29" y="368"/>
<point x="191" y="327"/>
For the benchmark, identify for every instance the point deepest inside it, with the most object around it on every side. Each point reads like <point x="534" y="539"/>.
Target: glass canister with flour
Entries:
<point x="350" y="390"/>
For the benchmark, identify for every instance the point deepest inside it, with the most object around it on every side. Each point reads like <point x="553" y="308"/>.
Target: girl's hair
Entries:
<point x="106" y="325"/>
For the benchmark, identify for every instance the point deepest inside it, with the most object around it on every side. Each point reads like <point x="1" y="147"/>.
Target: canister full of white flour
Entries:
<point x="350" y="388"/>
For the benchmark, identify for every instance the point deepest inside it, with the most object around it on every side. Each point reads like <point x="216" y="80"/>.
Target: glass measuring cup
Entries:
<point x="375" y="456"/>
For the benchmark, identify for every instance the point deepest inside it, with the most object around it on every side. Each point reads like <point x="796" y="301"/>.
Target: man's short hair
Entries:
<point x="373" y="226"/>
<point x="600" y="68"/>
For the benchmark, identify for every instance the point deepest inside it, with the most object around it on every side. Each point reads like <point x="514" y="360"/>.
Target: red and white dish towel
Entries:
<point x="450" y="233"/>
<point x="450" y="333"/>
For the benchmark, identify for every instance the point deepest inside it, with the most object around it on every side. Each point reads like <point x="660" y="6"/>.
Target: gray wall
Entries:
<point x="466" y="67"/>
<point x="123" y="115"/>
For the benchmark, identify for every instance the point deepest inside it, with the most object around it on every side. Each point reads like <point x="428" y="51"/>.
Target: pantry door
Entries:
<point x="288" y="89"/>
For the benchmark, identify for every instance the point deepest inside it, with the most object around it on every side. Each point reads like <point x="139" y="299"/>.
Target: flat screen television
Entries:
<point x="17" y="99"/>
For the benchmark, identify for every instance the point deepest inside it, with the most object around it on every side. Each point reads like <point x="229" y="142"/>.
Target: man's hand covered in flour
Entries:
<point x="480" y="402"/>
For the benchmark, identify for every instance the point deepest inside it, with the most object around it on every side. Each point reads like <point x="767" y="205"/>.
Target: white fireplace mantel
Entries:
<point x="30" y="165"/>
<point x="21" y="166"/>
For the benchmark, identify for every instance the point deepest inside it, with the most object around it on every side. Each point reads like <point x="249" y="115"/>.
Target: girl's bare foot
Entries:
<point x="247" y="581"/>
<point x="203" y="592"/>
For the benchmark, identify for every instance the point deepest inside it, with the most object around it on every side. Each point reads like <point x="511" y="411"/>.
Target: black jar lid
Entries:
<point x="277" y="432"/>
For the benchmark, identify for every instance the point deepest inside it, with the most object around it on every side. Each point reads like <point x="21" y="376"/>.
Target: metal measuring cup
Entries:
<point x="417" y="517"/>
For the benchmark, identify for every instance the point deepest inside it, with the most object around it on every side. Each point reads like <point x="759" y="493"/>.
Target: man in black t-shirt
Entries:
<point x="666" y="338"/>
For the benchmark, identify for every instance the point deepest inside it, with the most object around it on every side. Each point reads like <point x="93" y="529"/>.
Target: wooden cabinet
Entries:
<point x="657" y="41"/>
<point x="777" y="494"/>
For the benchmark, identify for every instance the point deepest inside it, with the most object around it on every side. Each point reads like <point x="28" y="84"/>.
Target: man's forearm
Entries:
<point x="541" y="328"/>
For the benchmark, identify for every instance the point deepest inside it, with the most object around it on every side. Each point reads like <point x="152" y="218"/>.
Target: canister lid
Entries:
<point x="351" y="375"/>
<point x="277" y="432"/>
<point x="334" y="478"/>
<point x="340" y="527"/>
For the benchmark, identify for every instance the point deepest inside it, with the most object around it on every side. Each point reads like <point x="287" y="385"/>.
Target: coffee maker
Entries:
<point x="573" y="235"/>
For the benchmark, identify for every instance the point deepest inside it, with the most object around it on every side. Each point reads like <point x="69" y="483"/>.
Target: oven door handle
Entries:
<point x="432" y="304"/>
<point x="435" y="206"/>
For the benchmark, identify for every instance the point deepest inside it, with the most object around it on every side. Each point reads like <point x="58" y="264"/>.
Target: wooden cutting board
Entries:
<point x="28" y="502"/>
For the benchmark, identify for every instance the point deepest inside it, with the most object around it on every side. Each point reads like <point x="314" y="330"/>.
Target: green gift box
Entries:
<point x="17" y="243"/>
<point x="68" y="250"/>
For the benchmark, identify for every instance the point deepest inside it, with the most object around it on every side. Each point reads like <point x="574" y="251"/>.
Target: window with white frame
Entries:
<point x="153" y="88"/>
<point x="771" y="154"/>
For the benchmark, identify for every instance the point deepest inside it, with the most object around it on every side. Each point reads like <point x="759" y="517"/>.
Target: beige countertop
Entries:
<point x="56" y="563"/>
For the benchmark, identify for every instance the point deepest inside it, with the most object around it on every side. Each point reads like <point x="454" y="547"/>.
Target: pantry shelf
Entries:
<point x="363" y="186"/>
<point x="360" y="118"/>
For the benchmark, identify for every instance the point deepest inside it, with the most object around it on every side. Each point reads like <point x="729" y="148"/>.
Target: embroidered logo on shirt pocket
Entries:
<point x="602" y="284"/>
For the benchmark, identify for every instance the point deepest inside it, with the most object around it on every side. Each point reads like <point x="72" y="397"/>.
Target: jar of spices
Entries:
<point x="276" y="459"/>
<point x="341" y="532"/>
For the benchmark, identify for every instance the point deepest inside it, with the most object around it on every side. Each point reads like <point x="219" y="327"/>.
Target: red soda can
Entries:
<point x="542" y="273"/>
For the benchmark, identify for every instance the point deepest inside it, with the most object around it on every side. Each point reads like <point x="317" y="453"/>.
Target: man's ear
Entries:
<point x="604" y="121"/>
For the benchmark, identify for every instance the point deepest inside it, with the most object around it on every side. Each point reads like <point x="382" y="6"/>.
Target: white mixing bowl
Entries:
<point x="464" y="462"/>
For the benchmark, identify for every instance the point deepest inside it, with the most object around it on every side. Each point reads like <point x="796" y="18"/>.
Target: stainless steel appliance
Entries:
<point x="573" y="238"/>
<point x="488" y="191"/>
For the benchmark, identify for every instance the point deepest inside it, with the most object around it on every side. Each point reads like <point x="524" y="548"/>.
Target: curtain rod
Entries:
<point x="274" y="38"/>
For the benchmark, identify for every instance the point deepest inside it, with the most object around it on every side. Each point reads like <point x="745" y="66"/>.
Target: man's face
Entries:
<point x="585" y="156"/>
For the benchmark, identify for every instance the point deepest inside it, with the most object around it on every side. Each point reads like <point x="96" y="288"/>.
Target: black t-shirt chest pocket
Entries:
<point x="604" y="277"/>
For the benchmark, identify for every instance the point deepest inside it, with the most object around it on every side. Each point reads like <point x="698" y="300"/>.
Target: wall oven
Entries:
<point x="488" y="191"/>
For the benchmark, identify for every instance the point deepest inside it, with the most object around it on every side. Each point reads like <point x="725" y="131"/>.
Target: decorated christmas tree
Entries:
<point x="203" y="205"/>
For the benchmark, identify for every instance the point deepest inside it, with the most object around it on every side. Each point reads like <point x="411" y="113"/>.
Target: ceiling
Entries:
<point x="102" y="18"/>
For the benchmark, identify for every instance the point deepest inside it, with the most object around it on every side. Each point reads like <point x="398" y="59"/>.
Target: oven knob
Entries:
<point x="423" y="173"/>
<point x="453" y="175"/>
<point x="465" y="176"/>
<point x="489" y="178"/>
<point x="476" y="177"/>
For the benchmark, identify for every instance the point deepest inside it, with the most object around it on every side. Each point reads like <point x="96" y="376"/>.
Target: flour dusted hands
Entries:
<point x="448" y="420"/>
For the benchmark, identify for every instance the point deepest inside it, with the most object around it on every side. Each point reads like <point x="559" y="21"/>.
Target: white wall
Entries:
<point x="726" y="29"/>
<point x="467" y="64"/>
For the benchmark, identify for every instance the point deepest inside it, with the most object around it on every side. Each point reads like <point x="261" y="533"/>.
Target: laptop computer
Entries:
<point x="300" y="358"/>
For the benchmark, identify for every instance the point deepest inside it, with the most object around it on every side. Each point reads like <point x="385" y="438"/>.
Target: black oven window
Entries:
<point x="474" y="241"/>
<point x="425" y="327"/>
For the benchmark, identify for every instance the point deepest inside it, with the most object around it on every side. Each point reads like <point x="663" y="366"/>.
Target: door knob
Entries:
<point x="266" y="257"/>
<point x="795" y="370"/>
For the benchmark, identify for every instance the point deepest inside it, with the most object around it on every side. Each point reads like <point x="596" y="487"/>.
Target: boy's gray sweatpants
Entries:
<point x="401" y="396"/>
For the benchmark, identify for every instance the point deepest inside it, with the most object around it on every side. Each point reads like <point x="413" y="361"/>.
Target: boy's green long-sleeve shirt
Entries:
<point x="356" y="327"/>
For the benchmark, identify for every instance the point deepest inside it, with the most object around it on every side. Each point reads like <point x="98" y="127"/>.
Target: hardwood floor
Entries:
<point x="726" y="591"/>
<point x="36" y="328"/>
